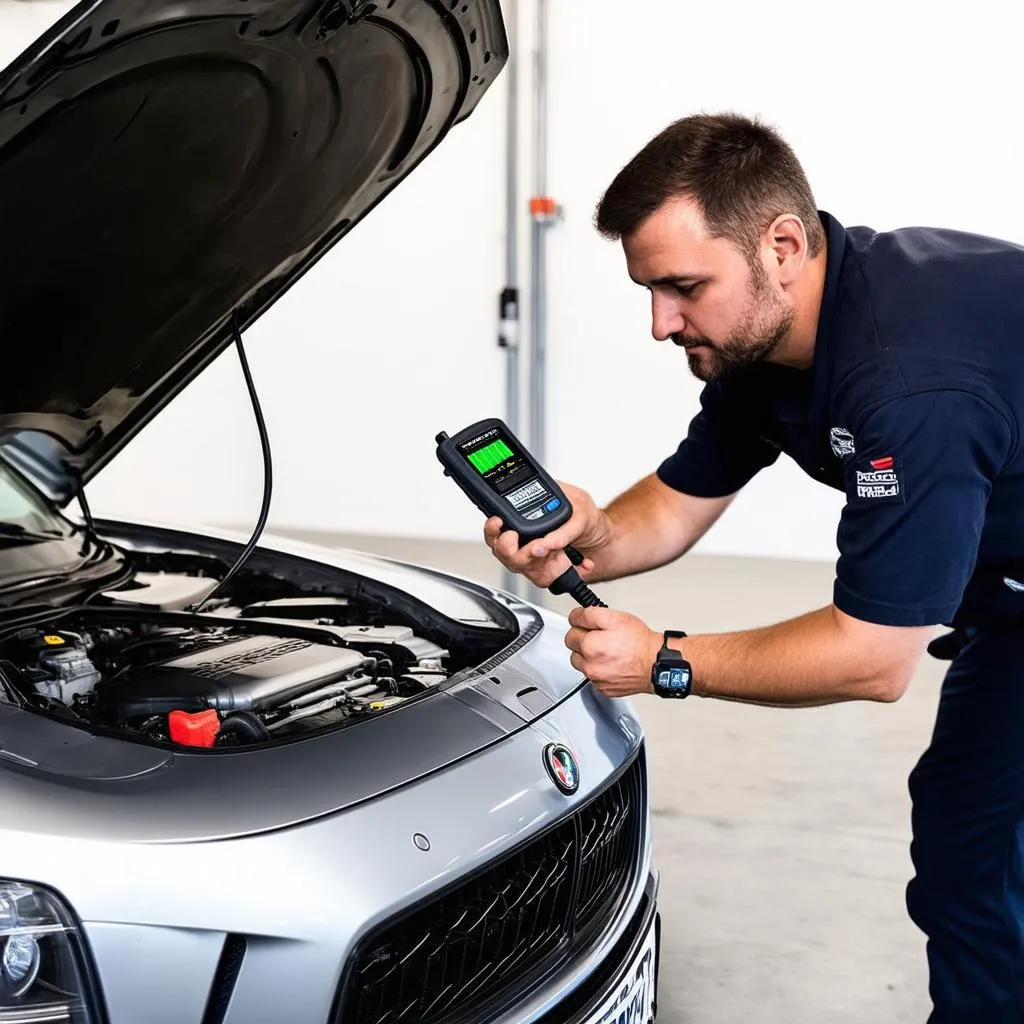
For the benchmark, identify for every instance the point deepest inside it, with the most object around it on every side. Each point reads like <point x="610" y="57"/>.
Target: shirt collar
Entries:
<point x="836" y="236"/>
<point x="801" y="396"/>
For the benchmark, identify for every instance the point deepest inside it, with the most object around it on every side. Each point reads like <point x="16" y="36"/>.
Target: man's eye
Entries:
<point x="685" y="290"/>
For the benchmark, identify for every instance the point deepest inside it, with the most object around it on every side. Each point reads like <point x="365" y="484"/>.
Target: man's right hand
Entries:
<point x="542" y="561"/>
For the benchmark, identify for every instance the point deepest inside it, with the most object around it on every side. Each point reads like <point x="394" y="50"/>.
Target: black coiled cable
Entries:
<point x="584" y="596"/>
<point x="570" y="583"/>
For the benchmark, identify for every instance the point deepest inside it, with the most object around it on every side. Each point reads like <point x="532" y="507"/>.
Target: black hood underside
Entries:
<point x="169" y="164"/>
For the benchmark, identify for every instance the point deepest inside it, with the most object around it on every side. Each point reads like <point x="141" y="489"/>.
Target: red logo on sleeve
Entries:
<point x="878" y="480"/>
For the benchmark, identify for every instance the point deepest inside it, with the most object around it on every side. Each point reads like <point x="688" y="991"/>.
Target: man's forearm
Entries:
<point x="808" y="661"/>
<point x="649" y="526"/>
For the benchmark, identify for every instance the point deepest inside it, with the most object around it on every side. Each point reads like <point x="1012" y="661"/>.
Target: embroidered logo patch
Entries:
<point x="878" y="480"/>
<point x="841" y="441"/>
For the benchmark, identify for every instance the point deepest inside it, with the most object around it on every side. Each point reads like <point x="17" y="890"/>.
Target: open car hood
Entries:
<point x="169" y="166"/>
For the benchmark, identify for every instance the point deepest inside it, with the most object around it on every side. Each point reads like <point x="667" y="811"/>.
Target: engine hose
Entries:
<point x="384" y="671"/>
<point x="244" y="726"/>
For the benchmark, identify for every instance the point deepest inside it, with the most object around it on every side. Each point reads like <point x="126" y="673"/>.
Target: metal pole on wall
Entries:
<point x="544" y="211"/>
<point x="508" y="323"/>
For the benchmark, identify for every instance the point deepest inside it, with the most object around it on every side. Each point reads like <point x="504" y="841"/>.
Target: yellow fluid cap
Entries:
<point x="53" y="641"/>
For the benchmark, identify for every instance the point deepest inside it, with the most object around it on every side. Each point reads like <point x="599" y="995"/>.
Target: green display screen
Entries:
<point x="493" y="455"/>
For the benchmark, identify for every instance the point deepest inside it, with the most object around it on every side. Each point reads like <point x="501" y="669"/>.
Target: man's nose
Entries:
<point x="666" y="318"/>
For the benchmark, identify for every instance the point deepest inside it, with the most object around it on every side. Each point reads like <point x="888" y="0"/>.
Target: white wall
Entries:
<point x="906" y="111"/>
<point x="902" y="112"/>
<point x="22" y="20"/>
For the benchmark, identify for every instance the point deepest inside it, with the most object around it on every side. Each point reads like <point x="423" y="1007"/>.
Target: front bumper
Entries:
<point x="162" y="919"/>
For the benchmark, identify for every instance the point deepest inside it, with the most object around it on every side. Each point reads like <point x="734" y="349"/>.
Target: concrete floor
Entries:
<point x="781" y="835"/>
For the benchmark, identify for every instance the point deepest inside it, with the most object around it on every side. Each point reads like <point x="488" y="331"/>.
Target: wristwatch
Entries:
<point x="671" y="675"/>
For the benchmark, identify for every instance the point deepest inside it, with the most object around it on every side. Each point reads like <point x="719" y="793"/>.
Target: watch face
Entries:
<point x="674" y="678"/>
<point x="673" y="681"/>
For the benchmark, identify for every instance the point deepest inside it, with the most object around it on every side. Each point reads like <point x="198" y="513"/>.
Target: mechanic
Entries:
<point x="886" y="364"/>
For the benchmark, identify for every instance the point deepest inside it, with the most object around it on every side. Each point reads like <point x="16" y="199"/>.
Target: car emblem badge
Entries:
<point x="562" y="767"/>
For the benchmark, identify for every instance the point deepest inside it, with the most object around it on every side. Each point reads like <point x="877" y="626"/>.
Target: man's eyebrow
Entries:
<point x="669" y="279"/>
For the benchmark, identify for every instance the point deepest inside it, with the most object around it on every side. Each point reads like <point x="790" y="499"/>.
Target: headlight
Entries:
<point x="43" y="976"/>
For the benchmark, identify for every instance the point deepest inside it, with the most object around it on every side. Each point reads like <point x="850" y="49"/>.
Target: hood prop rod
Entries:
<point x="90" y="523"/>
<point x="268" y="479"/>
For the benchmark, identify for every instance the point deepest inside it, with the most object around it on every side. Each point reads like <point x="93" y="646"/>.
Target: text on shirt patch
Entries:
<point x="879" y="480"/>
<point x="841" y="441"/>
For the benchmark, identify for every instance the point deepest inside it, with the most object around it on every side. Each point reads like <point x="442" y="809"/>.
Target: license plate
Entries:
<point x="632" y="1001"/>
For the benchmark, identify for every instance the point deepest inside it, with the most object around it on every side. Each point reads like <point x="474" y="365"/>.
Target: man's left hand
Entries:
<point x="614" y="650"/>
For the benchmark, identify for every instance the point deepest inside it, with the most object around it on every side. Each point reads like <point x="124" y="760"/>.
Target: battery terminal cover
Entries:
<point x="194" y="729"/>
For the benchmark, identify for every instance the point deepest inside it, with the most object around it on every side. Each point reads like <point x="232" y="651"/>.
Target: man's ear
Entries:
<point x="786" y="238"/>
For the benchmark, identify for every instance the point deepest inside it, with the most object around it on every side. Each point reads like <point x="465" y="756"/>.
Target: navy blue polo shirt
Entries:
<point x="913" y="407"/>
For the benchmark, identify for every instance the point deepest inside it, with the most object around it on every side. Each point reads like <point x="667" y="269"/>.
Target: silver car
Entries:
<point x="247" y="783"/>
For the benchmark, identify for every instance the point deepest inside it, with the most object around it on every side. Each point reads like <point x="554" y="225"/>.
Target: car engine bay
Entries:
<point x="249" y="670"/>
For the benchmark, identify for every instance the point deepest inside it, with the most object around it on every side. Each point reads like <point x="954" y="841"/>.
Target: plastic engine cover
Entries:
<point x="251" y="672"/>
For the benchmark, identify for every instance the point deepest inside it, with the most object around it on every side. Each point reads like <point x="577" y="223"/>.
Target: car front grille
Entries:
<point x="608" y="853"/>
<point x="488" y="940"/>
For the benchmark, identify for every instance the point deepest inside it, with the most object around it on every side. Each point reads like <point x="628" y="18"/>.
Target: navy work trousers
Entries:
<point x="967" y="895"/>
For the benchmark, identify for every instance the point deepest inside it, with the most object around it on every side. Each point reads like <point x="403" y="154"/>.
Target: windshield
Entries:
<point x="44" y="556"/>
<point x="23" y="508"/>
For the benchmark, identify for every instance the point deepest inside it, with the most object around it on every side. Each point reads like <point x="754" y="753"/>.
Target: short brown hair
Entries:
<point x="741" y="173"/>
